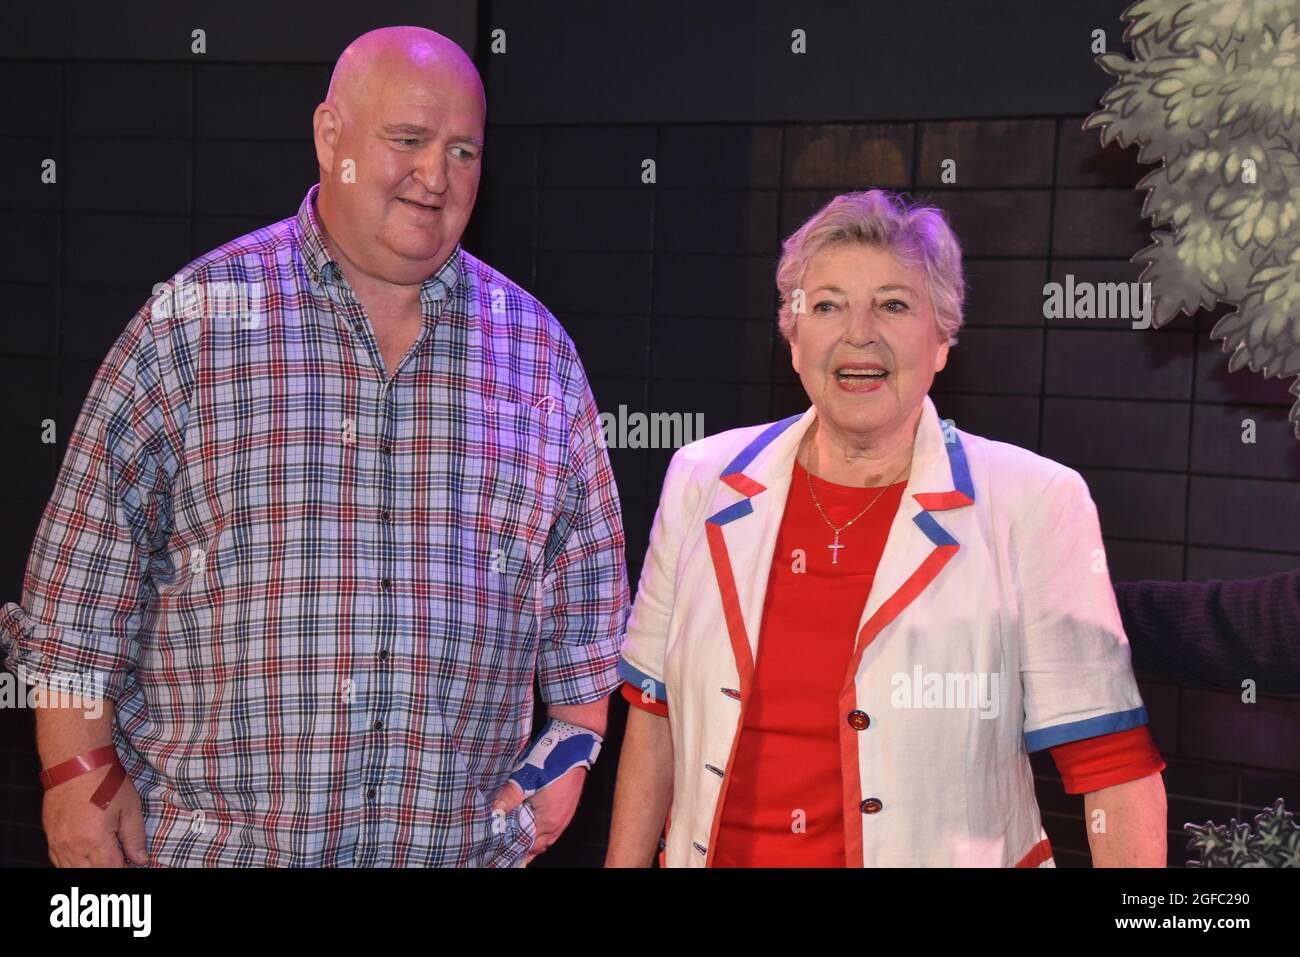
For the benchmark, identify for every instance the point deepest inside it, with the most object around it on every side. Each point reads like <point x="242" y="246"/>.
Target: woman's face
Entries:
<point x="866" y="345"/>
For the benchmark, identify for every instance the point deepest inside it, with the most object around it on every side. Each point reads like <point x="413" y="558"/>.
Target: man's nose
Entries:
<point x="431" y="170"/>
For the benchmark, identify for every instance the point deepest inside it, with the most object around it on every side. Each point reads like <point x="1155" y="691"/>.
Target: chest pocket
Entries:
<point x="512" y="466"/>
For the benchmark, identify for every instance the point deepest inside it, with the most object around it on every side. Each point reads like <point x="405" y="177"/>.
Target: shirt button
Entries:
<point x="378" y="725"/>
<point x="383" y="655"/>
<point x="858" y="720"/>
<point x="871" y="806"/>
<point x="387" y="583"/>
<point x="386" y="515"/>
<point x="370" y="795"/>
<point x="385" y="449"/>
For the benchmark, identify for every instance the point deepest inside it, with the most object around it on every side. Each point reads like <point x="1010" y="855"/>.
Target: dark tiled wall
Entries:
<point x="667" y="289"/>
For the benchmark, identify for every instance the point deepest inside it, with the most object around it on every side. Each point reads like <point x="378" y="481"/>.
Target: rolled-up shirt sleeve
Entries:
<point x="1074" y="657"/>
<point x="585" y="583"/>
<point x="88" y="578"/>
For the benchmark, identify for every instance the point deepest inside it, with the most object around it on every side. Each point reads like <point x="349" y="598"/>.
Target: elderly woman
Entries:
<point x="855" y="625"/>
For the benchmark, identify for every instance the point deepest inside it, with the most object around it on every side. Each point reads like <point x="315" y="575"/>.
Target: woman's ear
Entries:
<point x="941" y="356"/>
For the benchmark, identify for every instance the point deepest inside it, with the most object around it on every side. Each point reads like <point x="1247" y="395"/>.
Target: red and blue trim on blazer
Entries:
<point x="945" y="547"/>
<point x="734" y="476"/>
<point x="1087" y="728"/>
<point x="643" y="682"/>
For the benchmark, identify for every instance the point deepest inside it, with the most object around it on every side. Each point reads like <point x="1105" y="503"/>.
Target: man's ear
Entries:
<point x="326" y="128"/>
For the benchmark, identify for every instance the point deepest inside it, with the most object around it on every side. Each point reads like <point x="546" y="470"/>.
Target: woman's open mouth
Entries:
<point x="861" y="377"/>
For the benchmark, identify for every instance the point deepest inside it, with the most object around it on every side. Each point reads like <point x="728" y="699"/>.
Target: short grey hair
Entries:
<point x="918" y="236"/>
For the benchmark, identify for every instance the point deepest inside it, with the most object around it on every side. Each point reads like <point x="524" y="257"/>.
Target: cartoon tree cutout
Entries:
<point x="1213" y="95"/>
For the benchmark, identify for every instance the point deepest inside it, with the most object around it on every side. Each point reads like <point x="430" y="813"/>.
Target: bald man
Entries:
<point x="335" y="501"/>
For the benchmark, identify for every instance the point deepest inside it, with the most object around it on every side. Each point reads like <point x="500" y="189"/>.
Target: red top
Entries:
<point x="784" y="801"/>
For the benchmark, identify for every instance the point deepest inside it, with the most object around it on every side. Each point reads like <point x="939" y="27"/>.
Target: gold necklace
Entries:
<point x="835" y="546"/>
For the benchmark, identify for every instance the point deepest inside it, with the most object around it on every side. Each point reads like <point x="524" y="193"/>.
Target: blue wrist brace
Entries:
<point x="559" y="748"/>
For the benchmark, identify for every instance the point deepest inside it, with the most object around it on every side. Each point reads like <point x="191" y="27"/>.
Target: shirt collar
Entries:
<point x="324" y="270"/>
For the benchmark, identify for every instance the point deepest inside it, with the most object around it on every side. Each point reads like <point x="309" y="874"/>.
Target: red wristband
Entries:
<point x="83" y="764"/>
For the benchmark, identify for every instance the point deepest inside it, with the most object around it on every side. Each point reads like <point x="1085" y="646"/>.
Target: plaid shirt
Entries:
<point x="319" y="598"/>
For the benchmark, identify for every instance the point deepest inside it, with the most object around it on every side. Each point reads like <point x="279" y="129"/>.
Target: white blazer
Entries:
<point x="990" y="632"/>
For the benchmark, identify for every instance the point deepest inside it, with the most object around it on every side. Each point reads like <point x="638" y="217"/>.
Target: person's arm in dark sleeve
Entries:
<point x="1216" y="633"/>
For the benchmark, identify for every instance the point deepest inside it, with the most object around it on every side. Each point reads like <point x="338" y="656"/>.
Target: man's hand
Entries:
<point x="553" y="806"/>
<point x="81" y="835"/>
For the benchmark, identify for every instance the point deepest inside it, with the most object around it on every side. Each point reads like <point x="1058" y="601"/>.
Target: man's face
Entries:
<point x="866" y="347"/>
<point x="415" y="136"/>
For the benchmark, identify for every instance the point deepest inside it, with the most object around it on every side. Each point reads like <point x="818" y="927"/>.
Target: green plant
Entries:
<point x="1273" y="841"/>
<point x="1213" y="91"/>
